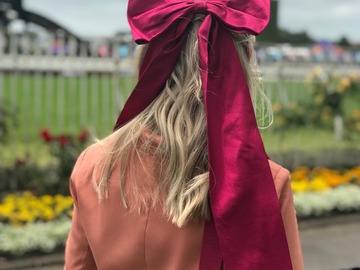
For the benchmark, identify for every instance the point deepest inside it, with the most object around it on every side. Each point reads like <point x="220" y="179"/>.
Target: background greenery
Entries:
<point x="36" y="106"/>
<point x="43" y="119"/>
<point x="63" y="103"/>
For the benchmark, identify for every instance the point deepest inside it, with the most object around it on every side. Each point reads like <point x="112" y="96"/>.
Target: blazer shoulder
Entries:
<point x="86" y="161"/>
<point x="281" y="176"/>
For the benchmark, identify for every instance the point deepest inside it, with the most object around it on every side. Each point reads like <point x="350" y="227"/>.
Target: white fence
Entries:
<point x="69" y="91"/>
<point x="62" y="84"/>
<point x="63" y="102"/>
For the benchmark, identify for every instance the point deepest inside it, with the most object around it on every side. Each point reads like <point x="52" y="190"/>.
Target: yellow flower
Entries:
<point x="345" y="82"/>
<point x="47" y="199"/>
<point x="25" y="216"/>
<point x="355" y="114"/>
<point x="18" y="209"/>
<point x="70" y="213"/>
<point x="300" y="173"/>
<point x="281" y="120"/>
<point x="319" y="184"/>
<point x="48" y="214"/>
<point x="319" y="98"/>
<point x="299" y="186"/>
<point x="340" y="89"/>
<point x="323" y="178"/>
<point x="317" y="72"/>
<point x="354" y="76"/>
<point x="336" y="180"/>
<point x="6" y="210"/>
<point x="293" y="106"/>
<point x="27" y="194"/>
<point x="357" y="127"/>
<point x="276" y="107"/>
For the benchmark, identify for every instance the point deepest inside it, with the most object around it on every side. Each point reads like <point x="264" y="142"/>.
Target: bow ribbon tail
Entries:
<point x="163" y="51"/>
<point x="246" y="213"/>
<point x="211" y="257"/>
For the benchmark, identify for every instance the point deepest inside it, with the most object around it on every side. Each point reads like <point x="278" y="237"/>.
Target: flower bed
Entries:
<point x="41" y="223"/>
<point x="343" y="199"/>
<point x="23" y="208"/>
<point x="323" y="191"/>
<point x="322" y="179"/>
<point x="33" y="223"/>
<point x="39" y="236"/>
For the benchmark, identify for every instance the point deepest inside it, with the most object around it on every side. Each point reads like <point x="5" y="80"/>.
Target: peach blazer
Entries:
<point x="106" y="236"/>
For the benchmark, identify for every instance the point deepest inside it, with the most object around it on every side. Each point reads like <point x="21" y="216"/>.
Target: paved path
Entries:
<point x="331" y="247"/>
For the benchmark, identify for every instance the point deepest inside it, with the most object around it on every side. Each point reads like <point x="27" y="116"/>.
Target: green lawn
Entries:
<point x="64" y="104"/>
<point x="287" y="91"/>
<point x="309" y="139"/>
<point x="305" y="139"/>
<point x="69" y="104"/>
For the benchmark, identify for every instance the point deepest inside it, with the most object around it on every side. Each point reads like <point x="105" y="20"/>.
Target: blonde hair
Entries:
<point x="177" y="115"/>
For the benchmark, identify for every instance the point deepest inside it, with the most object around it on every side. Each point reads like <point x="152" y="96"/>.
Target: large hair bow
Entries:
<point x="246" y="231"/>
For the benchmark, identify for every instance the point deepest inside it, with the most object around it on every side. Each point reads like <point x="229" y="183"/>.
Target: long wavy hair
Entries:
<point x="172" y="130"/>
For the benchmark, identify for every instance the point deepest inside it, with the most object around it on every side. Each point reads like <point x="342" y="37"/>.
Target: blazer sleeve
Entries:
<point x="78" y="254"/>
<point x="282" y="180"/>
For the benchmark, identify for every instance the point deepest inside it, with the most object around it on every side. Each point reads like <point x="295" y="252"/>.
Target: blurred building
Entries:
<point x="25" y="32"/>
<point x="12" y="12"/>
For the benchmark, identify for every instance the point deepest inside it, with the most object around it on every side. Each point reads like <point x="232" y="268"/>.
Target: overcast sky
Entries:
<point x="322" y="19"/>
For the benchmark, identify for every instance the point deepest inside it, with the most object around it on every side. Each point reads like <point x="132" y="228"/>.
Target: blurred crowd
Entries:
<point x="122" y="46"/>
<point x="320" y="52"/>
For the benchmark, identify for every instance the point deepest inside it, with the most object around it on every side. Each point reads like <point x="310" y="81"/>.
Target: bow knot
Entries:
<point x="200" y="6"/>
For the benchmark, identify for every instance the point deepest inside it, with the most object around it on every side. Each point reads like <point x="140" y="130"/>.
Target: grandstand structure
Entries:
<point x="13" y="9"/>
<point x="61" y="51"/>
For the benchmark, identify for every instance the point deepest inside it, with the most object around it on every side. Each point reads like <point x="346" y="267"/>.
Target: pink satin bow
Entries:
<point x="246" y="231"/>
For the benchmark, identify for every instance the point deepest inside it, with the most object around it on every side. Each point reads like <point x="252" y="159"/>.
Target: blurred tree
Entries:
<point x="294" y="38"/>
<point x="13" y="9"/>
<point x="343" y="41"/>
<point x="10" y="9"/>
<point x="272" y="30"/>
<point x="274" y="34"/>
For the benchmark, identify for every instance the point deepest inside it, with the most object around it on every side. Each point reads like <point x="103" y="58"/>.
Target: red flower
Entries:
<point x="63" y="140"/>
<point x="19" y="162"/>
<point x="46" y="136"/>
<point x="83" y="136"/>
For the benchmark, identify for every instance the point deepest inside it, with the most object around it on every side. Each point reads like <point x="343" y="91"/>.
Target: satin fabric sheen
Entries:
<point x="246" y="231"/>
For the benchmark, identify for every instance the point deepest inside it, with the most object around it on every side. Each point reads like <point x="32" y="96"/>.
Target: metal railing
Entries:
<point x="66" y="92"/>
<point x="62" y="92"/>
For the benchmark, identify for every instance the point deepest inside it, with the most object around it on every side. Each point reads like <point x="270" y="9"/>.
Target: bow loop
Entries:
<point x="245" y="16"/>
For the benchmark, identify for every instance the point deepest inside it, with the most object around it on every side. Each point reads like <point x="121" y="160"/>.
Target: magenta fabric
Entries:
<point x="246" y="231"/>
